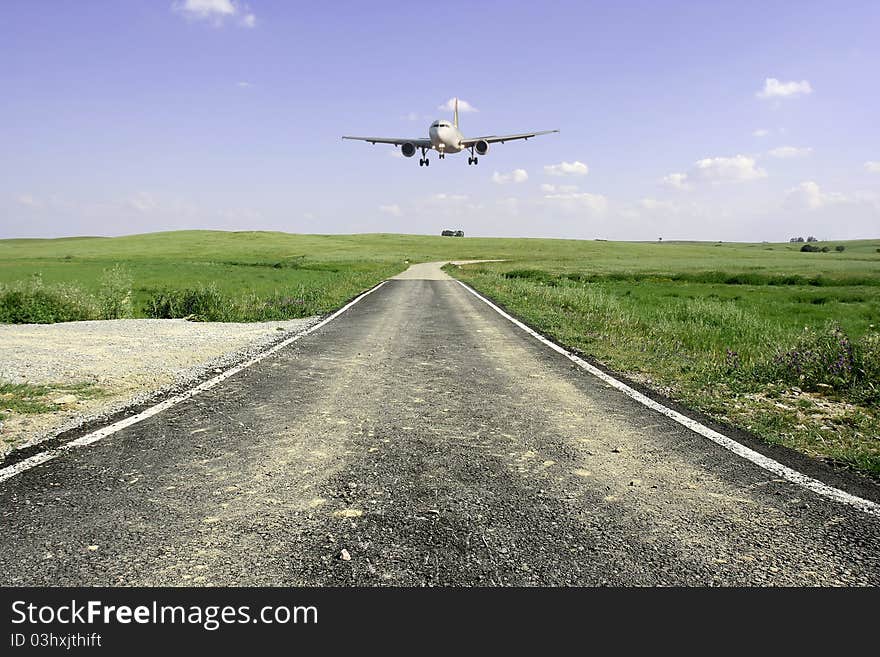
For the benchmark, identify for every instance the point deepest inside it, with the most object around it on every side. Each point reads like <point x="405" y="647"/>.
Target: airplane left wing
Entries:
<point x="492" y="139"/>
<point x="418" y="143"/>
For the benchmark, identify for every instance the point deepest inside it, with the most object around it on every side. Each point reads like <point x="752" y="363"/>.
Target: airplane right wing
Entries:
<point x="418" y="143"/>
<point x="492" y="139"/>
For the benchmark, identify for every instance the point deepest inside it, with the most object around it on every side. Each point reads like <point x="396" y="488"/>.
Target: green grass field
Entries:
<point x="762" y="336"/>
<point x="782" y="343"/>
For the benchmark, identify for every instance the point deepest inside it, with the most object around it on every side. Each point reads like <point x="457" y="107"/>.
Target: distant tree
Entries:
<point x="812" y="239"/>
<point x="796" y="240"/>
<point x="809" y="248"/>
<point x="659" y="239"/>
<point x="839" y="248"/>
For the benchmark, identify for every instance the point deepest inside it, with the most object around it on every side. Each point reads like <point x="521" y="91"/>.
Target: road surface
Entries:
<point x="420" y="439"/>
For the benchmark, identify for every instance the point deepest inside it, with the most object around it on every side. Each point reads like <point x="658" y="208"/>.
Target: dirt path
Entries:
<point x="437" y="445"/>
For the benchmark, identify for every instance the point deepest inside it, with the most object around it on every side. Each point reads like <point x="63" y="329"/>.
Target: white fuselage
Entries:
<point x="445" y="137"/>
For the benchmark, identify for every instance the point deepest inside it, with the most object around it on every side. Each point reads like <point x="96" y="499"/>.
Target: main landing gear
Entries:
<point x="473" y="158"/>
<point x="424" y="161"/>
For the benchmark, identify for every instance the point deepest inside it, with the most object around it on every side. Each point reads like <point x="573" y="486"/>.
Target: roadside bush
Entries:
<point x="114" y="295"/>
<point x="208" y="304"/>
<point x="867" y="367"/>
<point x="202" y="304"/>
<point x="32" y="302"/>
<point x="826" y="357"/>
<point x="809" y="248"/>
<point x="536" y="275"/>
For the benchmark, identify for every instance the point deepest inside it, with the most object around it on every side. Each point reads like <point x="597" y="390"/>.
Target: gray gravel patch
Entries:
<point x="131" y="360"/>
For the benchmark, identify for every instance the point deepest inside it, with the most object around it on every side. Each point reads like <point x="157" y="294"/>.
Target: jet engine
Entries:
<point x="408" y="149"/>
<point x="482" y="147"/>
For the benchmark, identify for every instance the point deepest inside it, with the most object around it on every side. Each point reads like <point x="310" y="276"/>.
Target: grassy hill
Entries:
<point x="324" y="270"/>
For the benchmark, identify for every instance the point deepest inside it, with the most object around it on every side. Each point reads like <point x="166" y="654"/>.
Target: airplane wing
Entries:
<point x="492" y="139"/>
<point x="418" y="143"/>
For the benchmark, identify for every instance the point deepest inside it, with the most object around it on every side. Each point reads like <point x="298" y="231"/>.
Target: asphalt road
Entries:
<point x="435" y="443"/>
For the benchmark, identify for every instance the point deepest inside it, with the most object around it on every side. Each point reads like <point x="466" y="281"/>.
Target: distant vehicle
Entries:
<point x="445" y="137"/>
<point x="452" y="233"/>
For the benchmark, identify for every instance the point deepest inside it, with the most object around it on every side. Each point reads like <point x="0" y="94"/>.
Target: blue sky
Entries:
<point x="689" y="120"/>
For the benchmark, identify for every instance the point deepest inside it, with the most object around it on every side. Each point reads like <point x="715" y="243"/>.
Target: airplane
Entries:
<point x="445" y="137"/>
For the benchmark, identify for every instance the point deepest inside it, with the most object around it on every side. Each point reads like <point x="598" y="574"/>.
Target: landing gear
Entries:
<point x="473" y="160"/>
<point x="424" y="161"/>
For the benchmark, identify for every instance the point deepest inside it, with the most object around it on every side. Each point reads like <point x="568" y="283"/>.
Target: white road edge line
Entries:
<point x="103" y="432"/>
<point x="757" y="458"/>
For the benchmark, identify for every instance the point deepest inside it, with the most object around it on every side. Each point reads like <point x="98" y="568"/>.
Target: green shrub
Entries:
<point x="826" y="357"/>
<point x="203" y="304"/>
<point x="537" y="275"/>
<point x="208" y="304"/>
<point x="867" y="368"/>
<point x="114" y="294"/>
<point x="31" y="302"/>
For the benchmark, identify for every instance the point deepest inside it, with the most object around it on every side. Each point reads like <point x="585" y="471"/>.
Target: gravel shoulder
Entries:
<point x="129" y="360"/>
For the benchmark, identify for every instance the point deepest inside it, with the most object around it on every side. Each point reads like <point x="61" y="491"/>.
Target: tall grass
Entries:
<point x="32" y="301"/>
<point x="799" y="368"/>
<point x="207" y="303"/>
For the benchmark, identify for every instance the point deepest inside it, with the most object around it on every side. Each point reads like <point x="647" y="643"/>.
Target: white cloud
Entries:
<point x="760" y="132"/>
<point x="654" y="204"/>
<point x="677" y="181"/>
<point x="872" y="167"/>
<point x="593" y="202"/>
<point x="393" y="209"/>
<point x="558" y="189"/>
<point x="789" y="152"/>
<point x="442" y="196"/>
<point x="809" y="194"/>
<point x="463" y="106"/>
<point x="243" y="84"/>
<point x="575" y="168"/>
<point x="773" y="88"/>
<point x="728" y="169"/>
<point x="142" y="202"/>
<point x="29" y="201"/>
<point x="515" y="176"/>
<point x="215" y="12"/>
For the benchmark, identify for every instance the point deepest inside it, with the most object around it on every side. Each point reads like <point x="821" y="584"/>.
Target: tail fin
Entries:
<point x="455" y="116"/>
